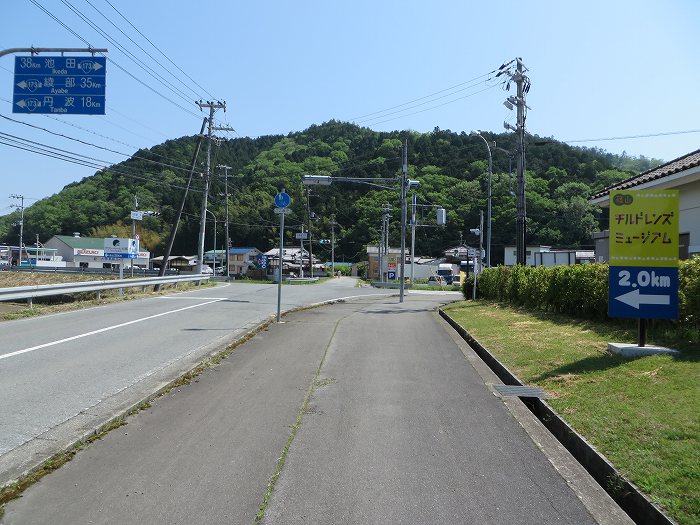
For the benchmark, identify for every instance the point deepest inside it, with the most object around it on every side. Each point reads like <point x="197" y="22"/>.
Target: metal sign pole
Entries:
<point x="279" y="275"/>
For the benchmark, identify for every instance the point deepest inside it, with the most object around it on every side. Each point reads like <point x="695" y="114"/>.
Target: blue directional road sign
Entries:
<point x="643" y="292"/>
<point x="59" y="85"/>
<point x="282" y="200"/>
<point x="261" y="261"/>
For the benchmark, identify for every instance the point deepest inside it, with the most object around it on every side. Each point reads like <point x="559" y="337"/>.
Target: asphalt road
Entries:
<point x="62" y="375"/>
<point x="399" y="428"/>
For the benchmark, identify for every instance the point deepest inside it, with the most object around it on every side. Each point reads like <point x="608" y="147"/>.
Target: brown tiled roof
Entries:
<point x="685" y="162"/>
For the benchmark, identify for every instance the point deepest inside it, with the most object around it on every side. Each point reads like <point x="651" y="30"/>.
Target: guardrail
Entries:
<point x="47" y="290"/>
<point x="141" y="272"/>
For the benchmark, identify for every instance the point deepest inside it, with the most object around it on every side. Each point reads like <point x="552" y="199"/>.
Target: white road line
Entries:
<point x="191" y="298"/>
<point x="106" y="329"/>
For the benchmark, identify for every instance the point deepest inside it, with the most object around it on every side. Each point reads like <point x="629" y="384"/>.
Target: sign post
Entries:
<point x="643" y="273"/>
<point x="282" y="200"/>
<point x="59" y="85"/>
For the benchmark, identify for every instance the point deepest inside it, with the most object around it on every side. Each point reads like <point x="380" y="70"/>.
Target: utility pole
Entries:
<point x="228" y="239"/>
<point x="481" y="249"/>
<point x="383" y="248"/>
<point x="413" y="234"/>
<point x="521" y="224"/>
<point x="333" y="223"/>
<point x="522" y="82"/>
<point x="311" y="249"/>
<point x="21" y="225"/>
<point x="404" y="182"/>
<point x="133" y="227"/>
<point x="301" y="253"/>
<point x="176" y="222"/>
<point x="213" y="106"/>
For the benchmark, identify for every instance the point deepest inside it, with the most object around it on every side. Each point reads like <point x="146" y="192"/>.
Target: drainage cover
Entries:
<point x="519" y="391"/>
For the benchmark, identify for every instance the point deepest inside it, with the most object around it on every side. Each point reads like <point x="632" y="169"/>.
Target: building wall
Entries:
<point x="689" y="207"/>
<point x="510" y="257"/>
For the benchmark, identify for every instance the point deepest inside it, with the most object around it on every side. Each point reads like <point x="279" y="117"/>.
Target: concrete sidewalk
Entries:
<point x="399" y="428"/>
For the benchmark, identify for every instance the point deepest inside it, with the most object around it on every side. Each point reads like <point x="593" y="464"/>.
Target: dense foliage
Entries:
<point x="580" y="290"/>
<point x="451" y="167"/>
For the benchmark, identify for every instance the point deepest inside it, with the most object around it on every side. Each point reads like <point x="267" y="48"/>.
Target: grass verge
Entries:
<point x="642" y="414"/>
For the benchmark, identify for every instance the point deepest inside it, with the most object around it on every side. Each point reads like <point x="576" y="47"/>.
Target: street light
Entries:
<point x="386" y="183"/>
<point x="488" y="199"/>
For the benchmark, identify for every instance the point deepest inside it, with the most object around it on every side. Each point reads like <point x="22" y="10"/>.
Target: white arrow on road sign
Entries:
<point x="635" y="299"/>
<point x="31" y="103"/>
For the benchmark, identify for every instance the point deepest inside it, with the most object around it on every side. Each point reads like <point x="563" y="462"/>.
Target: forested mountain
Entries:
<point x="451" y="168"/>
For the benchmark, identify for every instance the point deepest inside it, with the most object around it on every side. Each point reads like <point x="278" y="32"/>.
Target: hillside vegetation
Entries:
<point x="451" y="167"/>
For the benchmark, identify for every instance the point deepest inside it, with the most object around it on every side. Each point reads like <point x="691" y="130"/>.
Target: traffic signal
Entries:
<point x="324" y="241"/>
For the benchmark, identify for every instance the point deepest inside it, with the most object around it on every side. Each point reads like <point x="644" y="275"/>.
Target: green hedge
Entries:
<point x="580" y="290"/>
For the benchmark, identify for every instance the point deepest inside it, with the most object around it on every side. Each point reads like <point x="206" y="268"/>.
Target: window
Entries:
<point x="683" y="242"/>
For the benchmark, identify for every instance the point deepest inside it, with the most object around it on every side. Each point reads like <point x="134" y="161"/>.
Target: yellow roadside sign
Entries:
<point x="644" y="228"/>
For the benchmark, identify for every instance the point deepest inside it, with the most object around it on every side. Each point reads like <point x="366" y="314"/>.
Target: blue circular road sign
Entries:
<point x="282" y="200"/>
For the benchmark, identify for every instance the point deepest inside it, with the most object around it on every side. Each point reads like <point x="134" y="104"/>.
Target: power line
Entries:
<point x="127" y="53"/>
<point x="112" y="61"/>
<point x="74" y="158"/>
<point x="426" y="96"/>
<point x="127" y="155"/>
<point x="438" y="106"/>
<point x="646" y="135"/>
<point x="157" y="49"/>
<point x="196" y="95"/>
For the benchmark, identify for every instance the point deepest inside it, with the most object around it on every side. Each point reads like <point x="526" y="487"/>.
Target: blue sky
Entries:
<point x="598" y="70"/>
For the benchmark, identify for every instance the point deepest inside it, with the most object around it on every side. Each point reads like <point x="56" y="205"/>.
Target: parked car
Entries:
<point x="437" y="279"/>
<point x="206" y="270"/>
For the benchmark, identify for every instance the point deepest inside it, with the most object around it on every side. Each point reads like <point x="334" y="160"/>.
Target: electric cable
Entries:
<point x="181" y="168"/>
<point x="423" y="97"/>
<point x="424" y="103"/>
<point x="438" y="106"/>
<point x="642" y="136"/>
<point x="157" y="49"/>
<point x="196" y="95"/>
<point x="127" y="53"/>
<point x="75" y="158"/>
<point x="112" y="61"/>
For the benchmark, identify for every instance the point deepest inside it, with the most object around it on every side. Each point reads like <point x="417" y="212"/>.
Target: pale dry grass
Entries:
<point x="11" y="279"/>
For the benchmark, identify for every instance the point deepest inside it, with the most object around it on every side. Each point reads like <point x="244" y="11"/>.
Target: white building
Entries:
<point x="88" y="252"/>
<point x="511" y="255"/>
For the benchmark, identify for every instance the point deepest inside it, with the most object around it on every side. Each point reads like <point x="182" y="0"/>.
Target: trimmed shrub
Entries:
<point x="689" y="293"/>
<point x="580" y="290"/>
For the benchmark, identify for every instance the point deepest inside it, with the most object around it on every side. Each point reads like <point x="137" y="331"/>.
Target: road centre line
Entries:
<point x="106" y="329"/>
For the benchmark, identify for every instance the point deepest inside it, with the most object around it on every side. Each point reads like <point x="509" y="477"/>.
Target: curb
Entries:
<point x="623" y="492"/>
